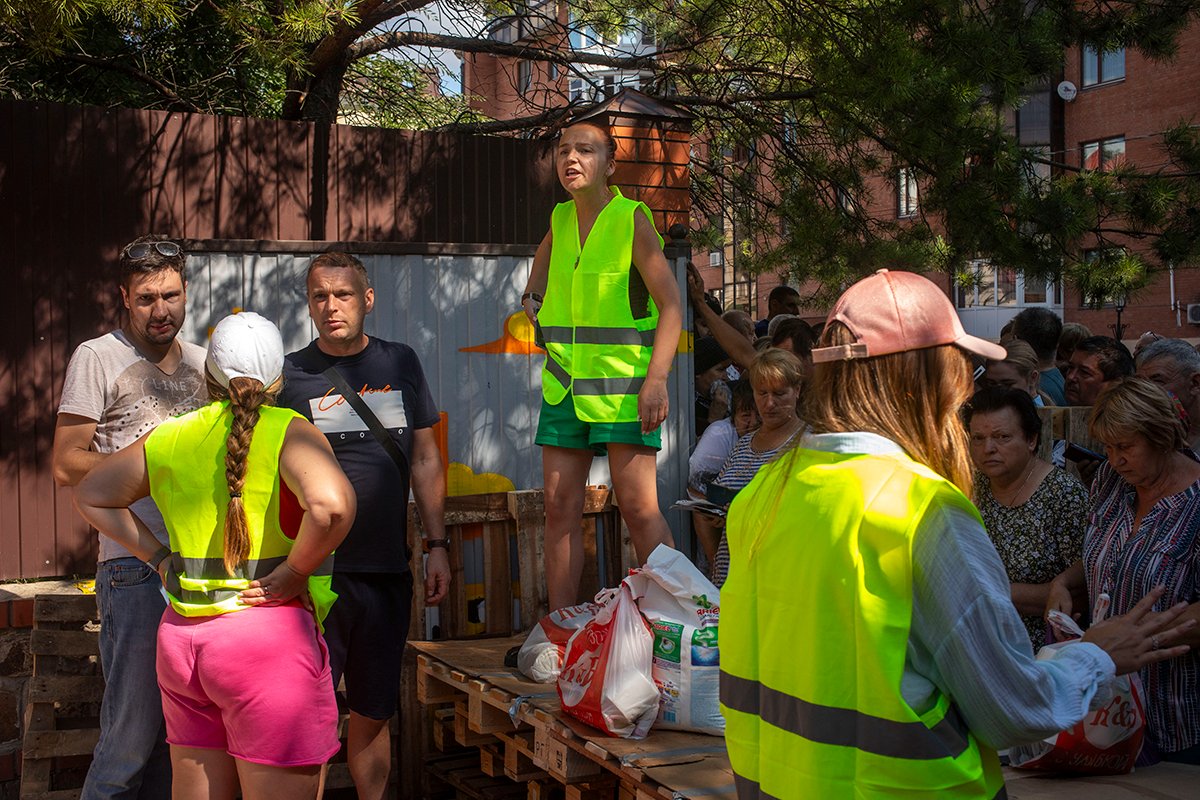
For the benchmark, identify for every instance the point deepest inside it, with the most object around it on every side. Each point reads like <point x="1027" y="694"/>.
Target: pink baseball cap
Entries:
<point x="894" y="312"/>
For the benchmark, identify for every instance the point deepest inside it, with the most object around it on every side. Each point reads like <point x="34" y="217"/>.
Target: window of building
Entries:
<point x="579" y="90"/>
<point x="1103" y="155"/>
<point x="845" y="200"/>
<point x="906" y="192"/>
<point x="524" y="76"/>
<point x="582" y="38"/>
<point x="648" y="35"/>
<point x="1102" y="67"/>
<point x="997" y="287"/>
<point x="1037" y="167"/>
<point x="1035" y="289"/>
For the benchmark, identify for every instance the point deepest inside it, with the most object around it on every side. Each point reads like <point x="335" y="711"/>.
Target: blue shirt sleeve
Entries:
<point x="968" y="641"/>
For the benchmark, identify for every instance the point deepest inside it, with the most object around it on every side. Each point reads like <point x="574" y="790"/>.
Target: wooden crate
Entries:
<point x="508" y="523"/>
<point x="62" y="711"/>
<point x="1069" y="423"/>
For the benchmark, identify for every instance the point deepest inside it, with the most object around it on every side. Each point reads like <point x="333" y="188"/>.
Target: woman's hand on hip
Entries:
<point x="282" y="585"/>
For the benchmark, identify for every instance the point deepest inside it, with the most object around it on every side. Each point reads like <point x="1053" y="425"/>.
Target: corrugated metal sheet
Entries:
<point x="439" y="305"/>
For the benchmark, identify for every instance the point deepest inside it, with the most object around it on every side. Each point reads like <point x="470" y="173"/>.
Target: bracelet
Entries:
<point x="429" y="544"/>
<point x="160" y="554"/>
<point x="531" y="296"/>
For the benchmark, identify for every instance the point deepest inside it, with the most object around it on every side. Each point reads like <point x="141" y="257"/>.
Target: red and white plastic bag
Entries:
<point x="606" y="676"/>
<point x="541" y="657"/>
<point x="683" y="609"/>
<point x="1106" y="742"/>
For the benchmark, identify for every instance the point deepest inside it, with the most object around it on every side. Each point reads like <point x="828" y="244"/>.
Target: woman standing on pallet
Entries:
<point x="606" y="308"/>
<point x="247" y="697"/>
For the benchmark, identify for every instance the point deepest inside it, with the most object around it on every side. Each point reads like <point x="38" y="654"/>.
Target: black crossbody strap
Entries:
<point x="368" y="416"/>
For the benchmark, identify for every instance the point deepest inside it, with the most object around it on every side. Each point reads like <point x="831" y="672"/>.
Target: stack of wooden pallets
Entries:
<point x="62" y="715"/>
<point x="492" y="733"/>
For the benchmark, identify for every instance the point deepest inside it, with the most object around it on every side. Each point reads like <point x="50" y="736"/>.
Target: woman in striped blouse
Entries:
<point x="1144" y="531"/>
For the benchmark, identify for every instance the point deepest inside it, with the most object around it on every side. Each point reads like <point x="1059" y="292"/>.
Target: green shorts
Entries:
<point x="558" y="426"/>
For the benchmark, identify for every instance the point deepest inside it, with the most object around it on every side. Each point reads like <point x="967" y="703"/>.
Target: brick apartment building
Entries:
<point x="1103" y="107"/>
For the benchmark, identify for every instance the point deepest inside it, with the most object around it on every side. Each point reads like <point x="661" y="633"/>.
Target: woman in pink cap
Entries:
<point x="869" y="645"/>
<point x="254" y="502"/>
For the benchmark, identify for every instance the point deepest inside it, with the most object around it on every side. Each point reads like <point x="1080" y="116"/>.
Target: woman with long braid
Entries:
<point x="244" y="674"/>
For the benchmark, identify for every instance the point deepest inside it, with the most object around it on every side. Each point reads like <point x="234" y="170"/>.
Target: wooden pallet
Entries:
<point x="65" y="643"/>
<point x="515" y="731"/>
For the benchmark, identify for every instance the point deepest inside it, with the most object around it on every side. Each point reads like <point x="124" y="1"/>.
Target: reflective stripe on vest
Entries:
<point x="208" y="591"/>
<point x="815" y="618"/>
<point x="595" y="347"/>
<point x="185" y="461"/>
<point x="846" y="726"/>
<point x="749" y="790"/>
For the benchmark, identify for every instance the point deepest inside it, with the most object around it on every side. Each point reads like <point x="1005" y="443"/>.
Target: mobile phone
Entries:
<point x="1075" y="452"/>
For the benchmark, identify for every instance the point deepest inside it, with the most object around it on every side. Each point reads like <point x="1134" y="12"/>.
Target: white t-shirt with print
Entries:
<point x="110" y="382"/>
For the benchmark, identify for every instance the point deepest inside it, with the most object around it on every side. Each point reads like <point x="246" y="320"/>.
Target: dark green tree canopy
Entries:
<point x="801" y="109"/>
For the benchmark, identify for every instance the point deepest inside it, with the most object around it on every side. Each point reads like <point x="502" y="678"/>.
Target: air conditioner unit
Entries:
<point x="716" y="258"/>
<point x="1193" y="312"/>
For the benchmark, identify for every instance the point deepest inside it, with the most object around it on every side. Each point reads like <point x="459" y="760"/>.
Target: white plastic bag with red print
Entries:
<point x="541" y="657"/>
<point x="1106" y="742"/>
<point x="606" y="677"/>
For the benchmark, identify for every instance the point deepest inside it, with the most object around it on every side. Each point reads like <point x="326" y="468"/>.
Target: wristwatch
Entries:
<point x="156" y="559"/>
<point x="429" y="544"/>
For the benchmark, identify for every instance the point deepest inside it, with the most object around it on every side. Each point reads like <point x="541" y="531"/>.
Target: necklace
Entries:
<point x="1012" y="497"/>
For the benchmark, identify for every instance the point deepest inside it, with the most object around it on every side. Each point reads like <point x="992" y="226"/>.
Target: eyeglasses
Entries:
<point x="143" y="249"/>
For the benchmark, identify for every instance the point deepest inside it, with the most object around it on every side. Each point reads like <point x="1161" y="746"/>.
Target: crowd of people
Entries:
<point x="886" y="524"/>
<point x="1067" y="524"/>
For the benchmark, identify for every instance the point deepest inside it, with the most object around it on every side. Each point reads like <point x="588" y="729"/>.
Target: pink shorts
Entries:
<point x="254" y="683"/>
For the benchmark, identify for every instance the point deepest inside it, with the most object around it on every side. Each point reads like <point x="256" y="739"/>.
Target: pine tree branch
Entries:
<point x="136" y="74"/>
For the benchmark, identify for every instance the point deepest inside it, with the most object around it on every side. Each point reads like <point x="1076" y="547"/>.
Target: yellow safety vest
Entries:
<point x="597" y="346"/>
<point x="815" y="619"/>
<point x="185" y="461"/>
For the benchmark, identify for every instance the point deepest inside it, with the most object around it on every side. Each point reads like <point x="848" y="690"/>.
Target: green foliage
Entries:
<point x="387" y="92"/>
<point x="825" y="101"/>
<point x="808" y="110"/>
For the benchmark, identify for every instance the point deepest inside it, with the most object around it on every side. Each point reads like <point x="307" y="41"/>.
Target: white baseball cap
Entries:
<point x="245" y="345"/>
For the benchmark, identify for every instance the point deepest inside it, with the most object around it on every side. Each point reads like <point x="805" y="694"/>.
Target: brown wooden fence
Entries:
<point x="77" y="183"/>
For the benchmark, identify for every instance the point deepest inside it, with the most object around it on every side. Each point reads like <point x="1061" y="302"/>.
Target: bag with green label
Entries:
<point x="683" y="609"/>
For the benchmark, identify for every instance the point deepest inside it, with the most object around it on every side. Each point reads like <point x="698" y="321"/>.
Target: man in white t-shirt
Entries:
<point x="118" y="387"/>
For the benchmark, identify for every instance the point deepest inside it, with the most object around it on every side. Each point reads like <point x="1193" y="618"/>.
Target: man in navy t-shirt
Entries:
<point x="367" y="627"/>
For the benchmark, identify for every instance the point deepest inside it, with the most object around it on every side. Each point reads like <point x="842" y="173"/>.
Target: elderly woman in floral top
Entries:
<point x="1034" y="513"/>
<point x="1144" y="532"/>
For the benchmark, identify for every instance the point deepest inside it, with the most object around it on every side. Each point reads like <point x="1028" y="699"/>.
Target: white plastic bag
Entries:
<point x="1106" y="742"/>
<point x="683" y="609"/>
<point x="541" y="657"/>
<point x="605" y="680"/>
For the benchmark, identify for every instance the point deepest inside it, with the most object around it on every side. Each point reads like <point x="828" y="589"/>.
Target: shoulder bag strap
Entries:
<point x="368" y="416"/>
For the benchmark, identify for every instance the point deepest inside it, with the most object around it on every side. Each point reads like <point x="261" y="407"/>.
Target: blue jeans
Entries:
<point x="131" y="759"/>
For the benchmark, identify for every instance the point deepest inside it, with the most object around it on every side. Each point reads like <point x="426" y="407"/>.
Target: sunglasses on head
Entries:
<point x="143" y="249"/>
